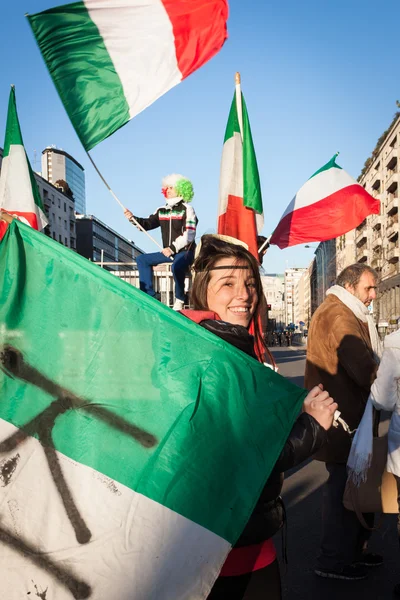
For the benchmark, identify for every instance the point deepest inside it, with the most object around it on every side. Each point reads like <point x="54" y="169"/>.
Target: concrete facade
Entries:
<point x="292" y="275"/>
<point x="273" y="286"/>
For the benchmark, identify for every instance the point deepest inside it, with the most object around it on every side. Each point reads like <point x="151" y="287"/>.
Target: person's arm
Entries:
<point x="352" y="352"/>
<point x="309" y="432"/>
<point x="384" y="390"/>
<point x="190" y="231"/>
<point x="151" y="222"/>
<point x="305" y="439"/>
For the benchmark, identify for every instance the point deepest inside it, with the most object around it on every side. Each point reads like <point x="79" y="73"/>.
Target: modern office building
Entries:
<point x="101" y="244"/>
<point x="58" y="165"/>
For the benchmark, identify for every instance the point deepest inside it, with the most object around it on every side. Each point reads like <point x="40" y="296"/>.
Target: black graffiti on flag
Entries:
<point x="13" y="364"/>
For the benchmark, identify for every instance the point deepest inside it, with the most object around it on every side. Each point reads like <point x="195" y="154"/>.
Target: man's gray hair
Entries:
<point x="352" y="274"/>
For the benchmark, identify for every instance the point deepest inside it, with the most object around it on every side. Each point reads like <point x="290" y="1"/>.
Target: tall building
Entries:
<point x="59" y="166"/>
<point x="376" y="240"/>
<point x="325" y="267"/>
<point x="273" y="286"/>
<point x="291" y="276"/>
<point x="98" y="242"/>
<point x="59" y="208"/>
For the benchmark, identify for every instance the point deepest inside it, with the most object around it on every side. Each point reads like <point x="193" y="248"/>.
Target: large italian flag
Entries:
<point x="328" y="205"/>
<point x="19" y="193"/>
<point x="240" y="210"/>
<point x="133" y="443"/>
<point x="110" y="60"/>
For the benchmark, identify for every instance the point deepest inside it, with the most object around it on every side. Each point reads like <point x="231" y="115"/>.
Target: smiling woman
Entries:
<point x="227" y="282"/>
<point x="228" y="299"/>
<point x="232" y="291"/>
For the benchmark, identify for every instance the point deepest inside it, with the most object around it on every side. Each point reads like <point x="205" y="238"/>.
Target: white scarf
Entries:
<point x="361" y="449"/>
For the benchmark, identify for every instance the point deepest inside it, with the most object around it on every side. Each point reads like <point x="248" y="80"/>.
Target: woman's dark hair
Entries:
<point x="212" y="250"/>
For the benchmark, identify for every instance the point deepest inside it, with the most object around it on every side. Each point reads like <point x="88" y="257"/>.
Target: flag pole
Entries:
<point x="132" y="219"/>
<point x="239" y="102"/>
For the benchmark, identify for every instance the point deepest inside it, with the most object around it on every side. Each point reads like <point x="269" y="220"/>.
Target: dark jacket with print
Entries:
<point x="305" y="438"/>
<point x="178" y="225"/>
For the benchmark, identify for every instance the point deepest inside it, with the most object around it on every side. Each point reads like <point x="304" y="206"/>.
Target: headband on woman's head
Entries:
<point x="223" y="238"/>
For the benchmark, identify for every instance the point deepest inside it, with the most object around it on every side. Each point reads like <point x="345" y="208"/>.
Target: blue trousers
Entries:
<point x="180" y="263"/>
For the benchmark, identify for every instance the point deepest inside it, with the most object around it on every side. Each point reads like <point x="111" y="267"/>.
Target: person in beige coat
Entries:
<point x="342" y="354"/>
<point x="385" y="395"/>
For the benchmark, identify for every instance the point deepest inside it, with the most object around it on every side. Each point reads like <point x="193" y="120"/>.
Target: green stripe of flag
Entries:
<point x="13" y="129"/>
<point x="329" y="165"/>
<point x="251" y="180"/>
<point x="75" y="54"/>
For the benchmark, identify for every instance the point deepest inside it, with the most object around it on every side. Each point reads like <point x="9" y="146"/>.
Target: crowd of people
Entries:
<point x="279" y="338"/>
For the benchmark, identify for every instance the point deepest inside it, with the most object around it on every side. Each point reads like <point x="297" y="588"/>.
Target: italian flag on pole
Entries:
<point x="134" y="444"/>
<point x="19" y="193"/>
<point x="240" y="209"/>
<point x="110" y="60"/>
<point x="328" y="205"/>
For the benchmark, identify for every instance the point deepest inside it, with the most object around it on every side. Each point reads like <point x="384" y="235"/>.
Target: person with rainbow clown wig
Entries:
<point x="178" y="222"/>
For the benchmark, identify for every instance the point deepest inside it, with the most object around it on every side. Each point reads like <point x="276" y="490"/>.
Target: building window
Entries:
<point x="66" y="242"/>
<point x="65" y="207"/>
<point x="60" y="238"/>
<point x="65" y="224"/>
<point x="59" y="203"/>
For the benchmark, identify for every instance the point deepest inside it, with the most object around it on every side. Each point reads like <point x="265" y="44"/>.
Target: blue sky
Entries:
<point x="317" y="77"/>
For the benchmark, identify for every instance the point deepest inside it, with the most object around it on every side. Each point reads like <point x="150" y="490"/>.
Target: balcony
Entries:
<point x="377" y="184"/>
<point x="389" y="157"/>
<point x="388" y="270"/>
<point x="392" y="182"/>
<point x="393" y="205"/>
<point x="392" y="229"/>
<point x="377" y="239"/>
<point x="376" y="263"/>
<point x="393" y="255"/>
<point x="361" y="237"/>
<point x="376" y="222"/>
<point x="362" y="255"/>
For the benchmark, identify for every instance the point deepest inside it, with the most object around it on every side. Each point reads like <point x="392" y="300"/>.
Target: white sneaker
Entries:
<point x="178" y="305"/>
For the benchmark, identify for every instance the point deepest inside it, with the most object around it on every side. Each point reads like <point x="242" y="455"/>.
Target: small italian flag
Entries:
<point x="19" y="193"/>
<point x="240" y="209"/>
<point x="110" y="60"/>
<point x="328" y="205"/>
<point x="134" y="444"/>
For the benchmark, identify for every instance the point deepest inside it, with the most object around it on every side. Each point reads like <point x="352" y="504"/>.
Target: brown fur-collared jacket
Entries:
<point x="339" y="355"/>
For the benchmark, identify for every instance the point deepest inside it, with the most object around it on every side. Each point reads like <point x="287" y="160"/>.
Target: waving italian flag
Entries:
<point x="240" y="209"/>
<point x="328" y="205"/>
<point x="134" y="444"/>
<point x="110" y="60"/>
<point x="19" y="193"/>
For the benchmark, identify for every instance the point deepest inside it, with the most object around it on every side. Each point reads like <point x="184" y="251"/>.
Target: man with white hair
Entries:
<point x="178" y="221"/>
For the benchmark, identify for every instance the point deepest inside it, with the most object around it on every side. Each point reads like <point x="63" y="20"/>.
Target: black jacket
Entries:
<point x="306" y="437"/>
<point x="178" y="225"/>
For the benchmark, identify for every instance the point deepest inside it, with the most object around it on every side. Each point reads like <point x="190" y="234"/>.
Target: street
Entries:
<point x="302" y="495"/>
